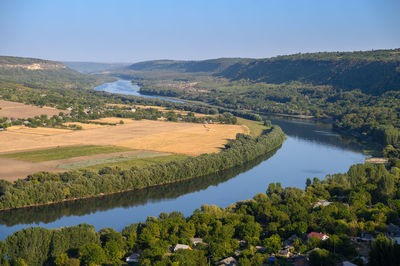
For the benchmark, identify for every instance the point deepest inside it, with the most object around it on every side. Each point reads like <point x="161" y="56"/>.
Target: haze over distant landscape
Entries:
<point x="132" y="31"/>
<point x="204" y="132"/>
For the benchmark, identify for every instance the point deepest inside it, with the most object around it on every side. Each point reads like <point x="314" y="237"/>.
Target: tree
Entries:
<point x="114" y="250"/>
<point x="383" y="252"/>
<point x="322" y="257"/>
<point x="92" y="254"/>
<point x="273" y="243"/>
<point x="249" y="231"/>
<point x="386" y="184"/>
<point x="3" y="254"/>
<point x="267" y="123"/>
<point x="30" y="244"/>
<point x="61" y="259"/>
<point x="189" y="257"/>
<point x="69" y="239"/>
<point x="18" y="262"/>
<point x="308" y="182"/>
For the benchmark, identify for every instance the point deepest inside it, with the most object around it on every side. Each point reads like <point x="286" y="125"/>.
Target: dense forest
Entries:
<point x="359" y="205"/>
<point x="373" y="72"/>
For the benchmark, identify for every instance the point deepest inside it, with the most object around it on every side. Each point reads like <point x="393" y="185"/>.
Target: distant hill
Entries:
<point x="40" y="73"/>
<point x="372" y="72"/>
<point x="211" y="65"/>
<point x="92" y="67"/>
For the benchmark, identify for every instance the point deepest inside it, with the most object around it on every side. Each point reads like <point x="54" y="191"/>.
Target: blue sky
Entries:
<point x="131" y="31"/>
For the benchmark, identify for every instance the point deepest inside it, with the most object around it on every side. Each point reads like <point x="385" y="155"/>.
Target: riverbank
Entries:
<point x="241" y="221"/>
<point x="374" y="148"/>
<point x="51" y="188"/>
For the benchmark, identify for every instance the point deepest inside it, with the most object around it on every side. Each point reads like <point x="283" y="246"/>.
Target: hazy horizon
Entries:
<point x="134" y="31"/>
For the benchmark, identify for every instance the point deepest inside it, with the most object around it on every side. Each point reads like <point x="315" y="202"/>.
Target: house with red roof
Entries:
<point x="321" y="236"/>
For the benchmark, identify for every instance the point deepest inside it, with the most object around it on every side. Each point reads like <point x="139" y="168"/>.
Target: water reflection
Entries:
<point x="310" y="150"/>
<point x="318" y="132"/>
<point x="49" y="213"/>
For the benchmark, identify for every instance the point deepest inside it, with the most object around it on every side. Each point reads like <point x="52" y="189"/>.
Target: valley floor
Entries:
<point x="148" y="138"/>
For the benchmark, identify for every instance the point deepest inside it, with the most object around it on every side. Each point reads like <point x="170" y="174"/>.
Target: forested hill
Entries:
<point x="38" y="73"/>
<point x="372" y="72"/>
<point x="211" y="65"/>
<point x="94" y="67"/>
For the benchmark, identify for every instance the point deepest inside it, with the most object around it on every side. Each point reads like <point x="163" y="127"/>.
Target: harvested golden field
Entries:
<point x="184" y="138"/>
<point x="164" y="109"/>
<point x="193" y="140"/>
<point x="20" y="110"/>
<point x="84" y="125"/>
<point x="39" y="131"/>
<point x="114" y="120"/>
<point x="159" y="108"/>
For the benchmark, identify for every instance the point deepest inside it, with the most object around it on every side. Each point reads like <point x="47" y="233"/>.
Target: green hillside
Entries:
<point x="211" y="65"/>
<point x="93" y="67"/>
<point x="37" y="73"/>
<point x="373" y="72"/>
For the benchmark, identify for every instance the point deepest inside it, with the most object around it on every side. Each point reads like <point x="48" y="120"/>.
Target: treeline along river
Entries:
<point x="310" y="150"/>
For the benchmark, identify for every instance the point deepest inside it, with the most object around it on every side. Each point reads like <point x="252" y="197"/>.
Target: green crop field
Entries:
<point x="256" y="127"/>
<point x="138" y="163"/>
<point x="63" y="153"/>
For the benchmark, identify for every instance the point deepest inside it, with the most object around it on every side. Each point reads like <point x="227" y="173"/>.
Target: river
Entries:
<point x="127" y="88"/>
<point x="310" y="150"/>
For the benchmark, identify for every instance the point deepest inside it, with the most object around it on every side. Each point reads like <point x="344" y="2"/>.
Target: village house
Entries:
<point x="133" y="258"/>
<point x="321" y="236"/>
<point x="290" y="240"/>
<point x="196" y="241"/>
<point x="242" y="243"/>
<point x="348" y="263"/>
<point x="367" y="237"/>
<point x="181" y="246"/>
<point x="300" y="261"/>
<point x="393" y="232"/>
<point x="322" y="203"/>
<point x="261" y="249"/>
<point x="230" y="261"/>
<point x="284" y="253"/>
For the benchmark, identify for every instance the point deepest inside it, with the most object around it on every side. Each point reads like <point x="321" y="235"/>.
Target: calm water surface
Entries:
<point x="310" y="150"/>
<point x="126" y="87"/>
